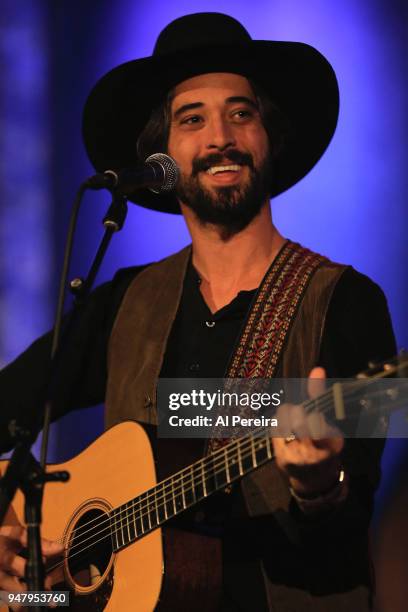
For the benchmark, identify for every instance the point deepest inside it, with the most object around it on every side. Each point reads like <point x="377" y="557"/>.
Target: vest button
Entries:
<point x="210" y="323"/>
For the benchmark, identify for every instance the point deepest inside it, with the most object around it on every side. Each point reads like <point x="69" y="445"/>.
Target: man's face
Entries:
<point x="221" y="147"/>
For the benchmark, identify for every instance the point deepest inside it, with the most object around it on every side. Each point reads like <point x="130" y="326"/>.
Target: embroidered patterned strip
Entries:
<point x="263" y="338"/>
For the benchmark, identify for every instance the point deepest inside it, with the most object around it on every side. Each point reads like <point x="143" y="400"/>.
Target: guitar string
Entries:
<point x="175" y="486"/>
<point x="108" y="531"/>
<point x="129" y="511"/>
<point x="125" y="511"/>
<point x="179" y="485"/>
<point x="309" y="404"/>
<point x="164" y="489"/>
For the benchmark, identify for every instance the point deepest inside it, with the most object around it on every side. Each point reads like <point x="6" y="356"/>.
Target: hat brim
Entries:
<point x="296" y="76"/>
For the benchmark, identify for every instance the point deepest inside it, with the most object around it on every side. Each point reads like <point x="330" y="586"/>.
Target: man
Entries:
<point x="244" y="120"/>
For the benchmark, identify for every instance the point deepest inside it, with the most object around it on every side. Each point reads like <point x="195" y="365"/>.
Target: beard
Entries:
<point x="231" y="207"/>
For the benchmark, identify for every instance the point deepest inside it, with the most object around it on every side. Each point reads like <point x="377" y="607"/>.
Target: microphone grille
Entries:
<point x="170" y="171"/>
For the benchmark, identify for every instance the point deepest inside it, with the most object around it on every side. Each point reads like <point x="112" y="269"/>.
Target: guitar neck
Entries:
<point x="181" y="491"/>
<point x="214" y="472"/>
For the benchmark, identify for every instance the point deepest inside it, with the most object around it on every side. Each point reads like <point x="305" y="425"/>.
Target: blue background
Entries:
<point x="352" y="207"/>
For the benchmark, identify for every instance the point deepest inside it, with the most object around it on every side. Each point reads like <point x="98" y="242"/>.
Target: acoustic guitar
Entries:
<point x="123" y="551"/>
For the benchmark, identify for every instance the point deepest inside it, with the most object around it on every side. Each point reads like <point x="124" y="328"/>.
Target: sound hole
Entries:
<point x="91" y="548"/>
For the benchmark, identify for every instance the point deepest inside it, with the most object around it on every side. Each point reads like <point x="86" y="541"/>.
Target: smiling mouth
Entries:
<point x="218" y="169"/>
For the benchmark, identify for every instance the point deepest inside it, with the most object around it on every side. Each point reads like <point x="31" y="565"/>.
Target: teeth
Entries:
<point x="231" y="168"/>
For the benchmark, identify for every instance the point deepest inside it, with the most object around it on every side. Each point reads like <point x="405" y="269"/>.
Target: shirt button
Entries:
<point x="194" y="367"/>
<point x="210" y="323"/>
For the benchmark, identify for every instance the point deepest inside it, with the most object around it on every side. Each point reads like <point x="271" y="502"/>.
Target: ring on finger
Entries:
<point x="290" y="438"/>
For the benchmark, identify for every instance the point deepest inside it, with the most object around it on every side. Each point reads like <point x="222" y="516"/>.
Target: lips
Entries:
<point x="223" y="168"/>
<point x="217" y="163"/>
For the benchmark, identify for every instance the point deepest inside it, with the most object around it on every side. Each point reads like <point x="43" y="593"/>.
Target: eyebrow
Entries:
<point x="230" y="100"/>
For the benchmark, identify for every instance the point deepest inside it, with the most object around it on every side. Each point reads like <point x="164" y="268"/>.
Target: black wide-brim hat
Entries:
<point x="298" y="79"/>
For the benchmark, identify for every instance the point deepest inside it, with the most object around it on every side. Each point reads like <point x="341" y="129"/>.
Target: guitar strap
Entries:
<point x="271" y="316"/>
<point x="270" y="319"/>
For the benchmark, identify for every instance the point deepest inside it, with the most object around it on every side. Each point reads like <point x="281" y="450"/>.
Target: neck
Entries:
<point x="233" y="264"/>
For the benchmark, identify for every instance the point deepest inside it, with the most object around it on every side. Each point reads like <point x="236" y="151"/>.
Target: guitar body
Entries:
<point x="167" y="569"/>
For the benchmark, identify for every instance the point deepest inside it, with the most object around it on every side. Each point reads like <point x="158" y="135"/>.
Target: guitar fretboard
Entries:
<point x="154" y="507"/>
<point x="214" y="472"/>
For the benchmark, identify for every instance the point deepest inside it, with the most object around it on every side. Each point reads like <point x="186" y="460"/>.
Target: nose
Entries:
<point x="220" y="134"/>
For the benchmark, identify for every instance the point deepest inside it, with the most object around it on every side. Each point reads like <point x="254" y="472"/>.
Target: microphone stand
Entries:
<point x="23" y="470"/>
<point x="113" y="222"/>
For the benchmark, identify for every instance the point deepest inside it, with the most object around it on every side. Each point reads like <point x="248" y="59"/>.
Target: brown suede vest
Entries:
<point x="138" y="342"/>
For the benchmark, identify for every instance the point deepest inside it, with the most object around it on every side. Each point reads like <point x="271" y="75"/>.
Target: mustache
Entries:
<point x="201" y="164"/>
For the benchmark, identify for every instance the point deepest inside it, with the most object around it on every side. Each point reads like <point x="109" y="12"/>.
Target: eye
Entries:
<point x="242" y="114"/>
<point x="191" y="120"/>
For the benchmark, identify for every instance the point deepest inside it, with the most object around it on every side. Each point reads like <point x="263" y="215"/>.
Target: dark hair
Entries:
<point x="275" y="122"/>
<point x="155" y="135"/>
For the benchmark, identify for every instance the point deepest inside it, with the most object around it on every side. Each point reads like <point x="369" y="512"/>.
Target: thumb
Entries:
<point x="316" y="383"/>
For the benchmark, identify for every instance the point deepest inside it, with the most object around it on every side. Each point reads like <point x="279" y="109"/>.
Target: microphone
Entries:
<point x="159" y="172"/>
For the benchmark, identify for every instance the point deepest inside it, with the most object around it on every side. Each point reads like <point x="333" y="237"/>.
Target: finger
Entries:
<point x="51" y="547"/>
<point x="15" y="534"/>
<point x="283" y="418"/>
<point x="48" y="547"/>
<point x="291" y="421"/>
<point x="317" y="426"/>
<point x="9" y="559"/>
<point x="11" y="585"/>
<point x="17" y="566"/>
<point x="316" y="385"/>
<point x="298" y="421"/>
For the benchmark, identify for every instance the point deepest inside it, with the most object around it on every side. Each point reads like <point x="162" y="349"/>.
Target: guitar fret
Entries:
<point x="239" y="458"/>
<point x="268" y="447"/>
<point x="149" y="509"/>
<point x="114" y="529"/>
<point x="168" y="501"/>
<point x="183" y="497"/>
<point x="219" y="468"/>
<point x="145" y="513"/>
<point x="134" y="513"/>
<point x="156" y="506"/>
<point x="261" y="450"/>
<point x="197" y="481"/>
<point x="161" y="505"/>
<point x="189" y="489"/>
<point x="227" y="470"/>
<point x="179" y="497"/>
<point x="203" y="479"/>
<point x="129" y="539"/>
<point x="246" y="455"/>
<point x="254" y="461"/>
<point x="131" y="521"/>
<point x="173" y="497"/>
<point x="233" y="461"/>
<point x="119" y="527"/>
<point x="138" y="520"/>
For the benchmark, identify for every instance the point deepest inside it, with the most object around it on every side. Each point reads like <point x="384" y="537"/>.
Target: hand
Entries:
<point x="311" y="462"/>
<point x="13" y="538"/>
